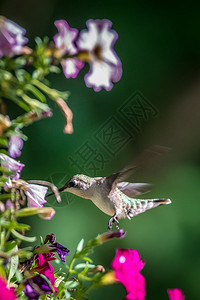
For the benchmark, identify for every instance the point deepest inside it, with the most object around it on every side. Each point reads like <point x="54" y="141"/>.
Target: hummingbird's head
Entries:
<point x="78" y="185"/>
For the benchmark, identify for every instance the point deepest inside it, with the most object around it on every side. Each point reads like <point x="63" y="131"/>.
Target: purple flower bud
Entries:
<point x="12" y="37"/>
<point x="111" y="234"/>
<point x="15" y="145"/>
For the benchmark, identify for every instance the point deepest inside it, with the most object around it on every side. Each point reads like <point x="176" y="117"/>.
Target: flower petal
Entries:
<point x="36" y="286"/>
<point x="175" y="294"/>
<point x="99" y="76"/>
<point x="10" y="164"/>
<point x="65" y="38"/>
<point x="61" y="250"/>
<point x="36" y="194"/>
<point x="5" y="292"/>
<point x="88" y="37"/>
<point x="71" y="67"/>
<point x="127" y="265"/>
<point x="12" y="37"/>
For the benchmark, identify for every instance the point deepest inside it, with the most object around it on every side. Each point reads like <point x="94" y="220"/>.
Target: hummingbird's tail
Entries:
<point x="161" y="201"/>
<point x="138" y="206"/>
<point x="151" y="203"/>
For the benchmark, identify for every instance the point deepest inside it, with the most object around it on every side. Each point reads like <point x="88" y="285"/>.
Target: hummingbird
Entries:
<point x="112" y="195"/>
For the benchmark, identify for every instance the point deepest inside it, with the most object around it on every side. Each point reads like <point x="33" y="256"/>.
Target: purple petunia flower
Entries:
<point x="61" y="250"/>
<point x="105" y="65"/>
<point x="15" y="146"/>
<point x="51" y="246"/>
<point x="35" y="287"/>
<point x="64" y="42"/>
<point x="12" y="37"/>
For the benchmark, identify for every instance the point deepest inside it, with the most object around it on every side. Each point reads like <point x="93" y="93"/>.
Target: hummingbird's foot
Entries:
<point x="113" y="220"/>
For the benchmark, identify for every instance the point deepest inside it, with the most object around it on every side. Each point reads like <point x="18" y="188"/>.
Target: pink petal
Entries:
<point x="175" y="294"/>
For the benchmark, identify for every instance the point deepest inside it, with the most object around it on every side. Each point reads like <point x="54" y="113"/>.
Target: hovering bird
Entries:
<point x="112" y="195"/>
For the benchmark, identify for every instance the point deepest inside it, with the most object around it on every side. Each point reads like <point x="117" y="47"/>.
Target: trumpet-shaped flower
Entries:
<point x="15" y="146"/>
<point x="175" y="294"/>
<point x="50" y="246"/>
<point x="127" y="266"/>
<point x="12" y="37"/>
<point x="98" y="42"/>
<point x="5" y="292"/>
<point x="12" y="165"/>
<point x="45" y="268"/>
<point x="61" y="250"/>
<point x="36" y="194"/>
<point x="35" y="287"/>
<point x="64" y="41"/>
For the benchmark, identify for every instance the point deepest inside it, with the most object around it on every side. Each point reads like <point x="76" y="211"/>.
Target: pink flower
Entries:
<point x="5" y="292"/>
<point x="12" y="37"/>
<point x="64" y="41"/>
<point x="45" y="268"/>
<point x="105" y="66"/>
<point x="127" y="266"/>
<point x="175" y="294"/>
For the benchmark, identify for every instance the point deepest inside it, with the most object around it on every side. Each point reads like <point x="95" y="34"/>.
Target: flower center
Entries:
<point x="98" y="51"/>
<point x="122" y="259"/>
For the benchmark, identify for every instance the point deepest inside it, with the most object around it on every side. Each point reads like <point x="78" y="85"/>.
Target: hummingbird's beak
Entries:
<point x="60" y="190"/>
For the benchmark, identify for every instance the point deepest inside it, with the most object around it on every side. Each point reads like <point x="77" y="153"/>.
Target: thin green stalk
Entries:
<point x="70" y="270"/>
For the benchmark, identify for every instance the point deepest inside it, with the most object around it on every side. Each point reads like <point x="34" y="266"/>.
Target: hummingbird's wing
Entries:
<point x="133" y="189"/>
<point x="112" y="180"/>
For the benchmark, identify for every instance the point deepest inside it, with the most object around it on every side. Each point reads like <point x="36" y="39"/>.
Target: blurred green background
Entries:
<point x="159" y="45"/>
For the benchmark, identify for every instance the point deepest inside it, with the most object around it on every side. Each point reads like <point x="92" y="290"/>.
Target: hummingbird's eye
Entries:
<point x="72" y="183"/>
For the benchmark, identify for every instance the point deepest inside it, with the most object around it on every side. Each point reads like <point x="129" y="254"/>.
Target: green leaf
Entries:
<point x="41" y="240"/>
<point x="80" y="246"/>
<point x="87" y="259"/>
<point x="22" y="237"/>
<point x="67" y="294"/>
<point x="14" y="225"/>
<point x="54" y="69"/>
<point x="20" y="62"/>
<point x="84" y="265"/>
<point x="24" y="254"/>
<point x="9" y="246"/>
<point x="38" y="41"/>
<point x="2" y="272"/>
<point x="71" y="284"/>
<point x="14" y="260"/>
<point x="5" y="197"/>
<point x="18" y="276"/>
<point x="3" y="142"/>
